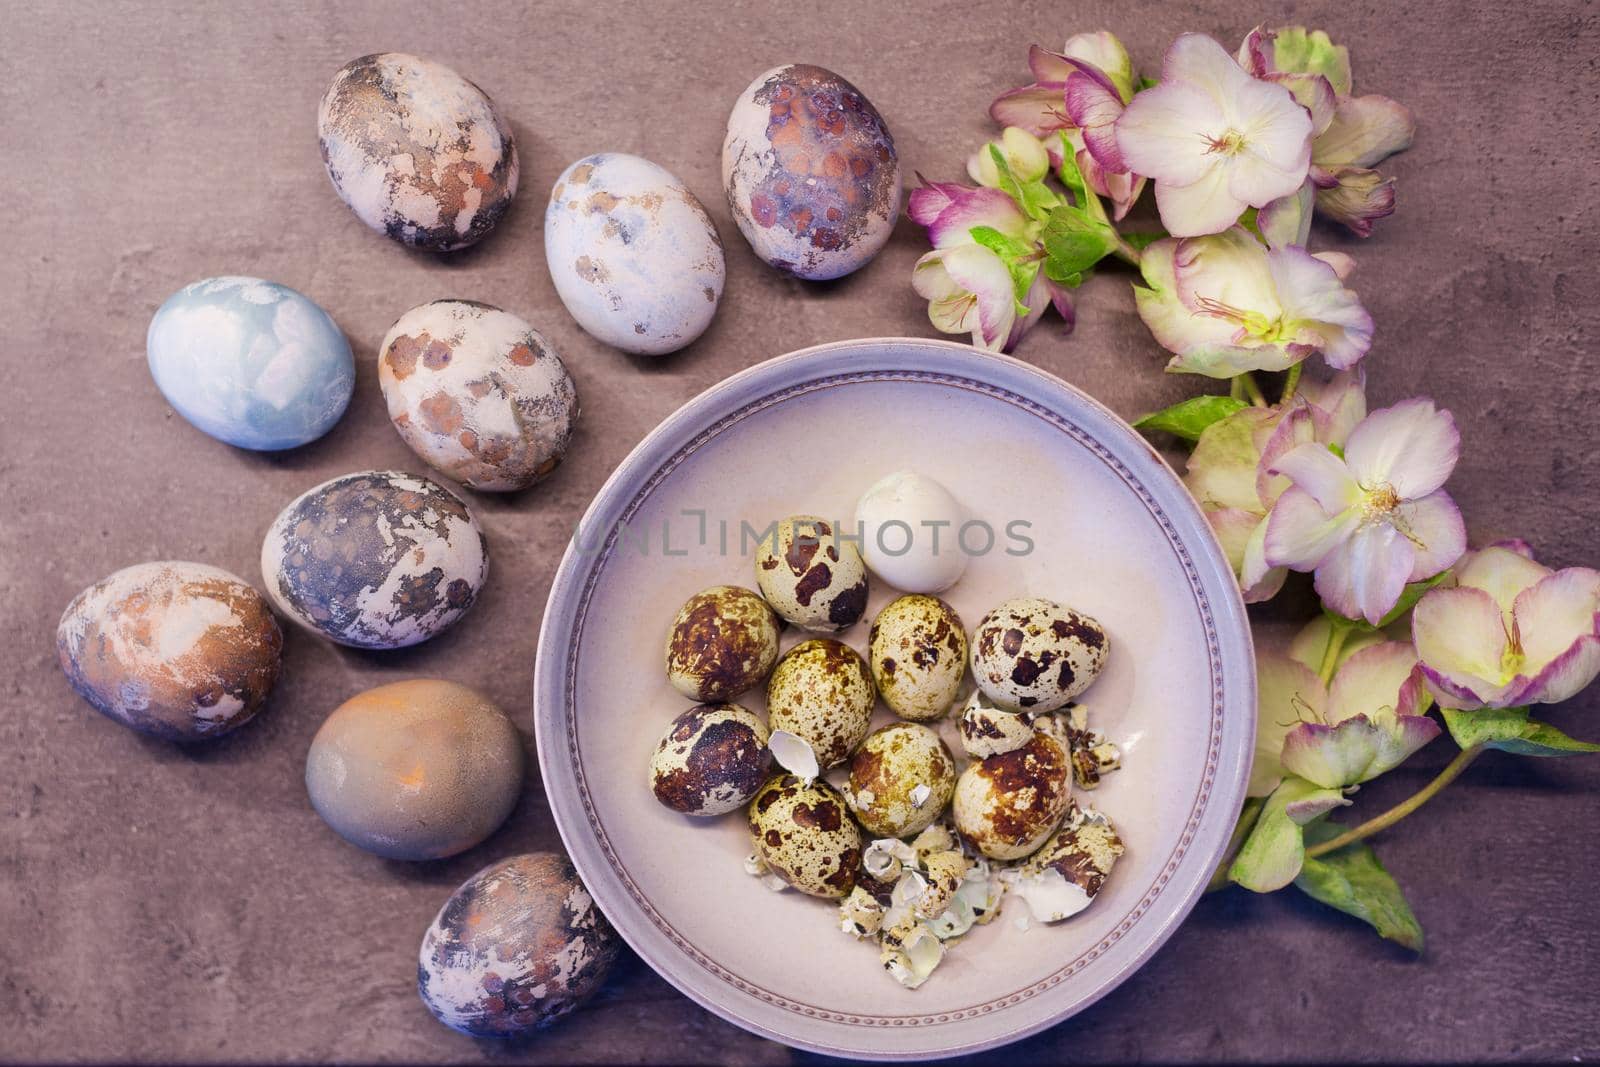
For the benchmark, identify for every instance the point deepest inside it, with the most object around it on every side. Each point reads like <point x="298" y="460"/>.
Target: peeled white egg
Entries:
<point x="911" y="528"/>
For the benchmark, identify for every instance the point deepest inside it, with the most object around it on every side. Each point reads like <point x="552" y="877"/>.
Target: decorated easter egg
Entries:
<point x="417" y="151"/>
<point x="415" y="770"/>
<point x="250" y="362"/>
<point x="477" y="393"/>
<point x="182" y="651"/>
<point x="375" y="559"/>
<point x="632" y="253"/>
<point x="811" y="172"/>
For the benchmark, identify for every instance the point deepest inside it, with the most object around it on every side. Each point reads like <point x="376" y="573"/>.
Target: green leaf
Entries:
<point x="1271" y="856"/>
<point x="1069" y="173"/>
<point x="1000" y="244"/>
<point x="1409" y="596"/>
<point x="1510" y="730"/>
<point x="1353" y="881"/>
<point x="1075" y="243"/>
<point x="1190" y="418"/>
<point x="1142" y="241"/>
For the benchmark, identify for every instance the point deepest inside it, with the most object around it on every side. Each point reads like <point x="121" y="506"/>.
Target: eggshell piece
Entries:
<point x="811" y="574"/>
<point x="415" y="770"/>
<point x="517" y="947"/>
<point x="722" y="643"/>
<point x="417" y="151"/>
<point x="988" y="731"/>
<point x="478" y="394"/>
<point x="1033" y="654"/>
<point x="713" y="759"/>
<point x="821" y="691"/>
<point x="901" y="778"/>
<point x="375" y="559"/>
<point x="918" y="651"/>
<point x="250" y="362"/>
<point x="1006" y="805"/>
<point x="804" y="833"/>
<point x="632" y="253"/>
<point x="181" y="651"/>
<point x="810" y="171"/>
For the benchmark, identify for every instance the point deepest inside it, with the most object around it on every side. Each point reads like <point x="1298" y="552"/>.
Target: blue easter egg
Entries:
<point x="251" y="362"/>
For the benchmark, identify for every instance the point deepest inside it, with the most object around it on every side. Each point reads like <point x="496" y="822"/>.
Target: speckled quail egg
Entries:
<point x="811" y="575"/>
<point x="1068" y="871"/>
<point x="517" y="947"/>
<point x="918" y="652"/>
<point x="805" y="835"/>
<point x="1006" y="805"/>
<point x="821" y="691"/>
<point x="988" y="731"/>
<point x="712" y="759"/>
<point x="1033" y="654"/>
<point x="901" y="779"/>
<point x="723" y="642"/>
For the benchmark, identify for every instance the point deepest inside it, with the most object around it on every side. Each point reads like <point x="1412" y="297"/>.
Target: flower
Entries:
<point x="1224" y="303"/>
<point x="1374" y="518"/>
<point x="970" y="289"/>
<point x="1214" y="139"/>
<point x="1512" y="632"/>
<point x="950" y="211"/>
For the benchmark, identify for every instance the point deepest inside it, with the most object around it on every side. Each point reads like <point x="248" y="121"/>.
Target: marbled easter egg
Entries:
<point x="478" y="394"/>
<point x="811" y="172"/>
<point x="375" y="559"/>
<point x="517" y="947"/>
<point x="632" y="253"/>
<point x="182" y="651"/>
<point x="417" y="151"/>
<point x="250" y="362"/>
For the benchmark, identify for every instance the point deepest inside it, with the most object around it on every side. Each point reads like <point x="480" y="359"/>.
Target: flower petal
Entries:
<point x="977" y="207"/>
<point x="1322" y="474"/>
<point x="1554" y="614"/>
<point x="1337" y="405"/>
<point x="1221" y="472"/>
<point x="1294" y="49"/>
<point x="930" y="198"/>
<point x="1104" y="51"/>
<point x="1094" y="107"/>
<point x="1040" y="108"/>
<point x="1363" y="577"/>
<point x="1312" y="92"/>
<point x="1276" y="135"/>
<point x="1287" y="220"/>
<point x="1364" y="131"/>
<point x="1295" y="428"/>
<point x="1331" y="756"/>
<point x="1310" y="645"/>
<point x="1257" y="581"/>
<point x="1163" y="132"/>
<point x="1398" y="737"/>
<point x="1173" y="324"/>
<point x="1502" y="573"/>
<point x="1037" y="300"/>
<point x="1287" y="694"/>
<point x="1300" y="535"/>
<point x="1460" y="638"/>
<point x="1329" y="315"/>
<point x="1434" y="527"/>
<point x="1273" y="854"/>
<point x="1048" y="66"/>
<point x="1411" y="446"/>
<point x="1356" y="198"/>
<point x="1229" y="268"/>
<point x="1371" y="679"/>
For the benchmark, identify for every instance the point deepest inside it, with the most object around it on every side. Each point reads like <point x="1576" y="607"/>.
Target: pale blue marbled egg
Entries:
<point x="251" y="362"/>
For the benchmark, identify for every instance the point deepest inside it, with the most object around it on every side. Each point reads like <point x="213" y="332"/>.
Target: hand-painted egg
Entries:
<point x="723" y="642"/>
<point x="901" y="779"/>
<point x="633" y="255"/>
<point x="376" y="559"/>
<point x="250" y="362"/>
<point x="478" y="394"/>
<point x="415" y="770"/>
<point x="182" y="651"/>
<point x="821" y="691"/>
<point x="712" y="760"/>
<point x="918" y="652"/>
<point x="811" y="172"/>
<point x="1007" y="804"/>
<point x="811" y="574"/>
<point x="517" y="947"/>
<point x="417" y="151"/>
<point x="804" y="833"/>
<point x="1033" y="654"/>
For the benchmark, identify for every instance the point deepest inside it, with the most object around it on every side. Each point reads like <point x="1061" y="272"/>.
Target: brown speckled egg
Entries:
<point x="712" y="760"/>
<point x="417" y="151"/>
<point x="478" y="394"/>
<point x="805" y="835"/>
<point x="918" y="652"/>
<point x="901" y="779"/>
<point x="811" y="172"/>
<point x="415" y="770"/>
<point x="1006" y="805"/>
<point x="723" y="642"/>
<point x="1033" y="654"/>
<point x="517" y="947"/>
<point x="812" y="576"/>
<point x="821" y="691"/>
<point x="182" y="651"/>
<point x="376" y="559"/>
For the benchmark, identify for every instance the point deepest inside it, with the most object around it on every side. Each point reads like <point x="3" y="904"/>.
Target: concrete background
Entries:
<point x="159" y="904"/>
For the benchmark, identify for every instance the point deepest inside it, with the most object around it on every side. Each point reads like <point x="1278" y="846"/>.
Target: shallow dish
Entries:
<point x="1113" y="533"/>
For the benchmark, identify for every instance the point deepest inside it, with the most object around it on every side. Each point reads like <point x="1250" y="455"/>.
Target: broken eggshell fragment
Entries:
<point x="633" y="255"/>
<point x="988" y="731"/>
<point x="712" y="760"/>
<point x="1068" y="871"/>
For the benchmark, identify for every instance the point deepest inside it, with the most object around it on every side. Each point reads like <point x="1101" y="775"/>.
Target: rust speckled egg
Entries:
<point x="901" y="779"/>
<point x="723" y="642"/>
<point x="415" y="770"/>
<point x="478" y="394"/>
<point x="376" y="559"/>
<point x="918" y="652"/>
<point x="417" y="151"/>
<point x="804" y="833"/>
<point x="810" y="171"/>
<point x="517" y="947"/>
<point x="1007" y="804"/>
<point x="712" y="760"/>
<point x="1033" y="654"/>
<point x="821" y="691"/>
<point x="182" y="651"/>
<point x="811" y="574"/>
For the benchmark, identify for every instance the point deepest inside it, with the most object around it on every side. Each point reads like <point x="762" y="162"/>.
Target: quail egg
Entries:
<point x="821" y="692"/>
<point x="918" y="652"/>
<point x="988" y="731"/>
<point x="713" y="759"/>
<point x="901" y="779"/>
<point x="1033" y="654"/>
<point x="911" y="533"/>
<point x="805" y="835"/>
<point x="723" y="642"/>
<point x="1006" y="805"/>
<point x="812" y="576"/>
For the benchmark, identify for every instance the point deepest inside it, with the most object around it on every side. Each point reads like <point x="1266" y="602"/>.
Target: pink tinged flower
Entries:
<point x="1512" y="632"/>
<point x="1375" y="718"/>
<point x="1288" y="693"/>
<point x="969" y="290"/>
<point x="950" y="211"/>
<point x="1296" y="50"/>
<point x="1375" y="519"/>
<point x="1214" y="139"/>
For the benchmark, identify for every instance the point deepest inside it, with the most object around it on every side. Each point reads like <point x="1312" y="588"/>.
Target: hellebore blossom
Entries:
<point x="1214" y="139"/>
<point x="1512" y="631"/>
<point x="1227" y="304"/>
<point x="1373" y="518"/>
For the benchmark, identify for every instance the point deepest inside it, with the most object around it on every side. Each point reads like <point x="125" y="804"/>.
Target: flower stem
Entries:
<point x="1450" y="773"/>
<point x="1338" y="632"/>
<point x="1125" y="251"/>
<point x="1253" y="391"/>
<point x="1292" y="382"/>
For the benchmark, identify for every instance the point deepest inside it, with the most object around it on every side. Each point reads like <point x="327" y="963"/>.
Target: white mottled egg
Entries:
<point x="901" y="779"/>
<point x="918" y="652"/>
<point x="1033" y="654"/>
<point x="712" y="760"/>
<point x="633" y="255"/>
<point x="987" y="730"/>
<point x="811" y="575"/>
<point x="1007" y="804"/>
<point x="805" y="835"/>
<point x="911" y="533"/>
<point x="821" y="691"/>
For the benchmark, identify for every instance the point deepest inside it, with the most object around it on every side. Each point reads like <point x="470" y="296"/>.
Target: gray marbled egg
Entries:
<point x="417" y="151"/>
<point x="517" y="947"/>
<point x="375" y="559"/>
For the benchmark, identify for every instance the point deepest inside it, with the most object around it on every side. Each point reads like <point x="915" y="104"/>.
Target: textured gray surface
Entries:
<point x="160" y="904"/>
